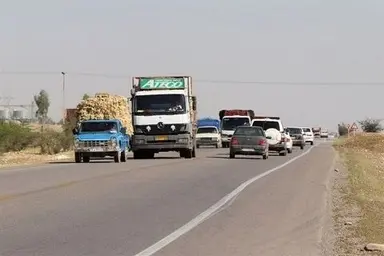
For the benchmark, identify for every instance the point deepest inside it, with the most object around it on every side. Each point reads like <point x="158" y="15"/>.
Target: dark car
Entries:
<point x="248" y="140"/>
<point x="297" y="136"/>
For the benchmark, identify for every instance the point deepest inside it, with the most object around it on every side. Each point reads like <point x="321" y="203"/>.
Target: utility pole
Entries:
<point x="63" y="80"/>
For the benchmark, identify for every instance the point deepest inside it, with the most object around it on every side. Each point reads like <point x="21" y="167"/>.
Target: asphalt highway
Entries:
<point x="211" y="205"/>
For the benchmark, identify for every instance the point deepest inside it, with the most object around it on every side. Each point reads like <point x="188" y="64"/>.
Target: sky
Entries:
<point x="296" y="41"/>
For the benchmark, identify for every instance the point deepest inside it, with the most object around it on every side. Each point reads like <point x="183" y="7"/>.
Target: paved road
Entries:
<point x="121" y="209"/>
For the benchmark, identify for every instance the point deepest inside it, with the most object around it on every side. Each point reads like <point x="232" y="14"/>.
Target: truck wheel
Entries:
<point x="311" y="143"/>
<point x="123" y="157"/>
<point x="86" y="159"/>
<point x="188" y="153"/>
<point x="77" y="158"/>
<point x="137" y="155"/>
<point x="217" y="146"/>
<point x="117" y="157"/>
<point x="198" y="146"/>
<point x="194" y="152"/>
<point x="302" y="147"/>
<point x="289" y="150"/>
<point x="231" y="155"/>
<point x="283" y="153"/>
<point x="149" y="155"/>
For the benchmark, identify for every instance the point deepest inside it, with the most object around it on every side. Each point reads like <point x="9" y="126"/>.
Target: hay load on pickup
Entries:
<point x="104" y="106"/>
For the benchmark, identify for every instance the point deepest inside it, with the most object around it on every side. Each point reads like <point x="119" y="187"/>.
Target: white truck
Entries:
<point x="230" y="119"/>
<point x="163" y="116"/>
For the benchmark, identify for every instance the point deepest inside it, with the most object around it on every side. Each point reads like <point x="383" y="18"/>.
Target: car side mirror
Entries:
<point x="124" y="130"/>
<point x="75" y="131"/>
<point x="269" y="137"/>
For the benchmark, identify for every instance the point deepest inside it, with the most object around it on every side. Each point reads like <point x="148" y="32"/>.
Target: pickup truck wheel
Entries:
<point x="217" y="146"/>
<point x="289" y="150"/>
<point x="77" y="158"/>
<point x="123" y="157"/>
<point x="302" y="147"/>
<point x="283" y="153"/>
<point x="86" y="159"/>
<point x="117" y="157"/>
<point x="265" y="156"/>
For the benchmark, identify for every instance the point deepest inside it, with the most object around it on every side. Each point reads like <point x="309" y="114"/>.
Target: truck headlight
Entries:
<point x="113" y="141"/>
<point x="139" y="130"/>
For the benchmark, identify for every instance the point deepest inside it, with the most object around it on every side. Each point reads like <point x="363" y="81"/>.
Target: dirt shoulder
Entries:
<point x="358" y="195"/>
<point x="31" y="157"/>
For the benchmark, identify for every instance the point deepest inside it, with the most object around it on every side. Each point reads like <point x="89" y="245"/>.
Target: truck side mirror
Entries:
<point x="124" y="130"/>
<point x="75" y="131"/>
<point x="194" y="105"/>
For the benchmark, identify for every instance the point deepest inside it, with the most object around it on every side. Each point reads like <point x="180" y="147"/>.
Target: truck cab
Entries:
<point x="163" y="116"/>
<point x="229" y="125"/>
<point x="99" y="139"/>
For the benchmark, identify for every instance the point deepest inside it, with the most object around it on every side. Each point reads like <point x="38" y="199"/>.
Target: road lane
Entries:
<point x="121" y="213"/>
<point x="280" y="215"/>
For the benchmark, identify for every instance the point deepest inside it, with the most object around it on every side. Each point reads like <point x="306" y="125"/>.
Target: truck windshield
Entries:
<point x="206" y="130"/>
<point x="232" y="123"/>
<point x="98" y="126"/>
<point x="163" y="104"/>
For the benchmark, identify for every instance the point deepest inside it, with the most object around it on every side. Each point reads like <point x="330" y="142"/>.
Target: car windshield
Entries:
<point x="307" y="130"/>
<point x="163" y="104"/>
<point x="249" y="131"/>
<point x="207" y="130"/>
<point x="98" y="126"/>
<point x="267" y="124"/>
<point x="294" y="130"/>
<point x="232" y="123"/>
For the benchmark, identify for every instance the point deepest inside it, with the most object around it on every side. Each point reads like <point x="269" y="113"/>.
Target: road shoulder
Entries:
<point x="281" y="214"/>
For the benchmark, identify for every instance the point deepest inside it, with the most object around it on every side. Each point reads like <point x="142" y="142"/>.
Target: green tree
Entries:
<point x="42" y="103"/>
<point x="371" y="125"/>
<point x="86" y="96"/>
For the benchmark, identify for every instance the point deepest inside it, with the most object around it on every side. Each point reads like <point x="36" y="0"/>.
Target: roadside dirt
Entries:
<point x="31" y="157"/>
<point x="358" y="195"/>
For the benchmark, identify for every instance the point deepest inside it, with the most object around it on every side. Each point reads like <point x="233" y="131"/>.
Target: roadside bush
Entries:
<point x="15" y="137"/>
<point x="343" y="129"/>
<point x="371" y="125"/>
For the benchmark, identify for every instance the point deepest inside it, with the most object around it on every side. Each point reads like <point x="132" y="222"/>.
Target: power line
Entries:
<point x="212" y="81"/>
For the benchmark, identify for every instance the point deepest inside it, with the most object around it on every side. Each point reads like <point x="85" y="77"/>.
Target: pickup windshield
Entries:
<point x="232" y="123"/>
<point x="98" y="126"/>
<point x="161" y="104"/>
<point x="207" y="130"/>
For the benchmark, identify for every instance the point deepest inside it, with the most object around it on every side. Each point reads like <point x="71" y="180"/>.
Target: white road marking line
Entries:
<point x="213" y="209"/>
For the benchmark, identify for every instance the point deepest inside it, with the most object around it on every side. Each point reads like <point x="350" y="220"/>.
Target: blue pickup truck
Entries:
<point x="101" y="138"/>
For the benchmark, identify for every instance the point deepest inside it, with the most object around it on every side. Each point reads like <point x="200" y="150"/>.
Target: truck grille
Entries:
<point x="95" y="143"/>
<point x="166" y="129"/>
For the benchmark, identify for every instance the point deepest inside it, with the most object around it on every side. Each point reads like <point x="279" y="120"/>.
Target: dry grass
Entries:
<point x="30" y="157"/>
<point x="54" y="127"/>
<point x="363" y="156"/>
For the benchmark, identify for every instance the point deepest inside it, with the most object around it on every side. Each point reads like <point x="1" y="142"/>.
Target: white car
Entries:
<point x="278" y="139"/>
<point x="324" y="133"/>
<point x="308" y="135"/>
<point x="208" y="136"/>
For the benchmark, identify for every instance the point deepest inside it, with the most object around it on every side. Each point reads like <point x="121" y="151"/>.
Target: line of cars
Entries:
<point x="258" y="136"/>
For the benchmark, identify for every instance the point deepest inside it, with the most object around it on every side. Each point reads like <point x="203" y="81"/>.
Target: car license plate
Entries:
<point x="248" y="149"/>
<point x="96" y="149"/>
<point x="161" y="138"/>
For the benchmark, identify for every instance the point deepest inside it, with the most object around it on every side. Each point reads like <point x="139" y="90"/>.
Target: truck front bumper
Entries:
<point x="174" y="142"/>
